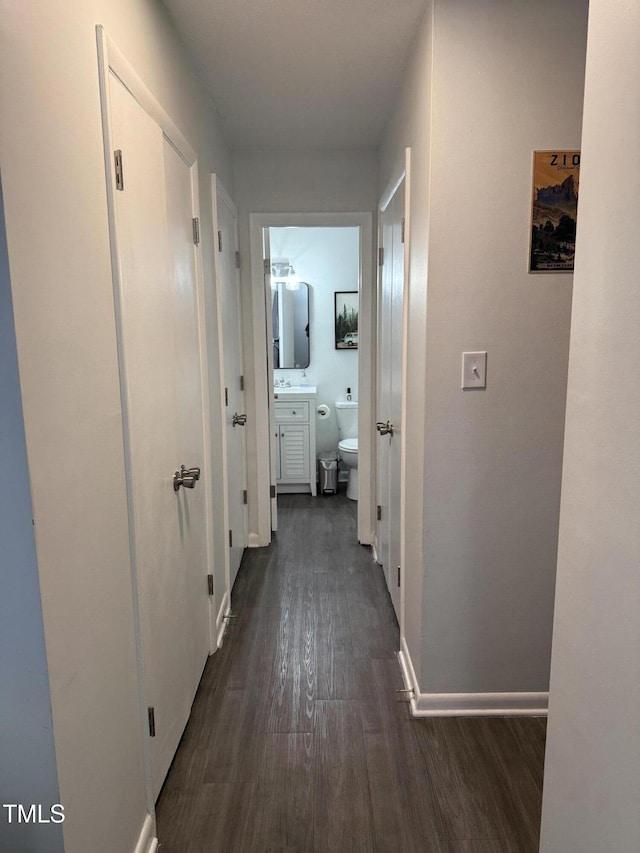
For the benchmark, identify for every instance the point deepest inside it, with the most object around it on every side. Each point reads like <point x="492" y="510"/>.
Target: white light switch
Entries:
<point x="474" y="369"/>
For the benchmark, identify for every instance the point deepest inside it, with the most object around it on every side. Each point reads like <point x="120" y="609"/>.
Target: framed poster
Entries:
<point x="346" y="319"/>
<point x="556" y="177"/>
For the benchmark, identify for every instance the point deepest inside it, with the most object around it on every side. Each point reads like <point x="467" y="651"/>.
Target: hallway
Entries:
<point x="297" y="740"/>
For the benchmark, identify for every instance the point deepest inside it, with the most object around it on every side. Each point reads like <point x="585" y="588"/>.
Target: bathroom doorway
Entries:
<point x="315" y="293"/>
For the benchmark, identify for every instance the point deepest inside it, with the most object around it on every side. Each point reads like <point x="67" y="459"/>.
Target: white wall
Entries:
<point x="503" y="83"/>
<point x="328" y="260"/>
<point x="55" y="200"/>
<point x="305" y="181"/>
<point x="291" y="182"/>
<point x="592" y="776"/>
<point x="27" y="751"/>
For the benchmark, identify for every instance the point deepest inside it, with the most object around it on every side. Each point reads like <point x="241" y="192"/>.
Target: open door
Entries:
<point x="233" y="361"/>
<point x="271" y="311"/>
<point x="390" y="385"/>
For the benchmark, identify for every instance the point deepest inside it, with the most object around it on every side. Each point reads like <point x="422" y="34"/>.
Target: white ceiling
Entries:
<point x="300" y="74"/>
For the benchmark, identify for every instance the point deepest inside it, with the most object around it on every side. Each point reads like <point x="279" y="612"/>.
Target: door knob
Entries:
<point x="238" y="420"/>
<point x="384" y="429"/>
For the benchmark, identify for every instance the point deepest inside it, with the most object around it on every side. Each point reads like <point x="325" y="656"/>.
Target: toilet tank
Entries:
<point x="347" y="415"/>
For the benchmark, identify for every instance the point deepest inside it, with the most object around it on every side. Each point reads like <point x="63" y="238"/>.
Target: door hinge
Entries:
<point x="117" y="156"/>
<point x="226" y="396"/>
<point x="237" y="260"/>
<point x="195" y="224"/>
<point x="379" y="513"/>
<point x="245" y="497"/>
<point x="402" y="231"/>
<point x="267" y="266"/>
<point x="152" y="721"/>
<point x="210" y="584"/>
<point x="398" y="575"/>
<point x="242" y="383"/>
<point x="219" y="241"/>
<point x="380" y="256"/>
<point x="273" y="491"/>
<point x="231" y="539"/>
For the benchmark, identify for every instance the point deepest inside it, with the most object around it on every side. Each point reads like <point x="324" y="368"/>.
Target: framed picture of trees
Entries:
<point x="346" y="319"/>
<point x="556" y="177"/>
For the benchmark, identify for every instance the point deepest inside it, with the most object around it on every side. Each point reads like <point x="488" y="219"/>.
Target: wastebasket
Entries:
<point x="328" y="472"/>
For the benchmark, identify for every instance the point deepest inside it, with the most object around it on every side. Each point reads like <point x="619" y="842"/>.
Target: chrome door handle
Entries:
<point x="185" y="478"/>
<point x="190" y="472"/>
<point x="384" y="429"/>
<point x="238" y="420"/>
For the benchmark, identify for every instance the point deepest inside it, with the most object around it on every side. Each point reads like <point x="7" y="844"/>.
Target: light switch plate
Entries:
<point x="474" y="370"/>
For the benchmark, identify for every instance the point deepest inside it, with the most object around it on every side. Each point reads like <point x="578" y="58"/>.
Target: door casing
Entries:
<point x="263" y="372"/>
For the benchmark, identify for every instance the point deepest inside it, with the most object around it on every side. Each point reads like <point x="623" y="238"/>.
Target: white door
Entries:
<point x="389" y="407"/>
<point x="161" y="372"/>
<point x="235" y="413"/>
<point x="275" y="451"/>
<point x="383" y="396"/>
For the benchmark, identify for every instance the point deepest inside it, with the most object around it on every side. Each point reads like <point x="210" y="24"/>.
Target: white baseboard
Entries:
<point x="408" y="672"/>
<point x="225" y="608"/>
<point x="147" y="841"/>
<point x="468" y="704"/>
<point x="480" y="705"/>
<point x="369" y="539"/>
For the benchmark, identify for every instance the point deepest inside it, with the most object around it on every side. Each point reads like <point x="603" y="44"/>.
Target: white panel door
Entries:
<point x="390" y="339"/>
<point x="231" y="326"/>
<point x="395" y="384"/>
<point x="383" y="396"/>
<point x="275" y="452"/>
<point x="161" y="372"/>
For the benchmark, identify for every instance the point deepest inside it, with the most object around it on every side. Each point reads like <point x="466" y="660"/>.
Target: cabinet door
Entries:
<point x="294" y="452"/>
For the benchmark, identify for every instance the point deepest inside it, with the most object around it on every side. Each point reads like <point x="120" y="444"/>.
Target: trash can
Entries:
<point x="328" y="472"/>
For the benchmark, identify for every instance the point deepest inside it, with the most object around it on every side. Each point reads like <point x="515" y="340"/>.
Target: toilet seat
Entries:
<point x="348" y="444"/>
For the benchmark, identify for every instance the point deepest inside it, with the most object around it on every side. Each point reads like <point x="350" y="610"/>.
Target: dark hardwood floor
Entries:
<point x="297" y="740"/>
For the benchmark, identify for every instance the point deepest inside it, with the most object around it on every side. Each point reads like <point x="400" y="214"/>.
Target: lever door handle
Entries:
<point x="384" y="428"/>
<point x="180" y="479"/>
<point x="187" y="477"/>
<point x="238" y="420"/>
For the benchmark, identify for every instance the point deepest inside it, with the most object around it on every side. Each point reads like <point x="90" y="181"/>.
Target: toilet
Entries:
<point x="347" y="415"/>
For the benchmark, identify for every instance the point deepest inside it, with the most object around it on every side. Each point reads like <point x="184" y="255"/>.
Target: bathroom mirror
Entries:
<point x="290" y="321"/>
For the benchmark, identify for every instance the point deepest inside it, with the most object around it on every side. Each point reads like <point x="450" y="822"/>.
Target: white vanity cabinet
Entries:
<point x="295" y="439"/>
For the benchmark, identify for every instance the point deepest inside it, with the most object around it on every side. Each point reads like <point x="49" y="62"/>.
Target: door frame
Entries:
<point x="403" y="174"/>
<point x="111" y="60"/>
<point x="263" y="374"/>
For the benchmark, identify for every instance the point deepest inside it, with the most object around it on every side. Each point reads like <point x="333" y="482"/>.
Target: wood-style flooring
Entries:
<point x="298" y="741"/>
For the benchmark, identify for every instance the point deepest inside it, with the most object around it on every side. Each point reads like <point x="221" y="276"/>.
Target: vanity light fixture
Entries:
<point x="283" y="272"/>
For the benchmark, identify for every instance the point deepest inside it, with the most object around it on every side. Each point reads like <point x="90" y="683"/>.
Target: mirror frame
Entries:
<point x="274" y="285"/>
